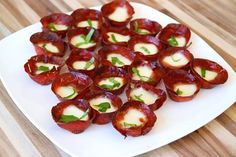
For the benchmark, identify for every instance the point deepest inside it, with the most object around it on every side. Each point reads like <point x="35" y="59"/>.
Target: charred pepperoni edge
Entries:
<point x="104" y="118"/>
<point x="145" y="39"/>
<point x="107" y="72"/>
<point x="77" y="31"/>
<point x="152" y="26"/>
<point x="222" y="74"/>
<point x="106" y="29"/>
<point x="109" y="8"/>
<point x="156" y="76"/>
<point x="174" y="30"/>
<point x="57" y="18"/>
<point x="78" y="81"/>
<point x="44" y="78"/>
<point x="114" y="49"/>
<point x="83" y="55"/>
<point x="180" y="76"/>
<point x="172" y="50"/>
<point x="75" y="126"/>
<point x="160" y="93"/>
<point x="48" y="37"/>
<point x="83" y="14"/>
<point x="134" y="131"/>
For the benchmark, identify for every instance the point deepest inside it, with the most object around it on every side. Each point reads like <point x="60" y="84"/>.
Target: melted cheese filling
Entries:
<point x="95" y="24"/>
<point x="209" y="75"/>
<point x="118" y="37"/>
<point x="96" y="101"/>
<point x="134" y="117"/>
<point x="148" y="97"/>
<point x="177" y="60"/>
<point x="81" y="65"/>
<point x="49" y="65"/>
<point x="185" y="89"/>
<point x="146" y="48"/>
<point x="181" y="41"/>
<point x="121" y="58"/>
<point x="78" y="39"/>
<point x="120" y="14"/>
<point x="145" y="71"/>
<point x="67" y="92"/>
<point x="75" y="111"/>
<point x="108" y="82"/>
<point x="49" y="47"/>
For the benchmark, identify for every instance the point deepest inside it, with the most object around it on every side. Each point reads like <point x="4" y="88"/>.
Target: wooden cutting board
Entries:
<point x="214" y="20"/>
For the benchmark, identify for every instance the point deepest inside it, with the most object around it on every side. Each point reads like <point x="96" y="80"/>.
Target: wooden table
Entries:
<point x="214" y="20"/>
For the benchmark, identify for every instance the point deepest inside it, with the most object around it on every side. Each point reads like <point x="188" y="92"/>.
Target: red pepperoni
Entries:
<point x="46" y="77"/>
<point x="111" y="72"/>
<point x="83" y="55"/>
<point x="161" y="95"/>
<point x="222" y="74"/>
<point x="114" y="49"/>
<point x="152" y="27"/>
<point x="174" y="30"/>
<point x="48" y="37"/>
<point x="147" y="40"/>
<point x="180" y="77"/>
<point x="83" y="14"/>
<point x="57" y="18"/>
<point x="80" y="83"/>
<point x="148" y="123"/>
<point x="109" y="8"/>
<point x="75" y="126"/>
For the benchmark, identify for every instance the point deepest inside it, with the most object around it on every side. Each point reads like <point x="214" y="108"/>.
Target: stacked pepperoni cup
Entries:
<point x="108" y="58"/>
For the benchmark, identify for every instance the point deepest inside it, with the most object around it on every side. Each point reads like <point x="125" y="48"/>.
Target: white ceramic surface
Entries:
<point x="175" y="120"/>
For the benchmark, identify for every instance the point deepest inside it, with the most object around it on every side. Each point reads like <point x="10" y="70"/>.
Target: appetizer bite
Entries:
<point x="115" y="36"/>
<point x="43" y="69"/>
<point x="134" y="119"/>
<point x="175" y="35"/>
<point x="70" y="86"/>
<point x="149" y="72"/>
<point x="83" y="38"/>
<point x="116" y="56"/>
<point x="73" y="115"/>
<point x="118" y="12"/>
<point x="181" y="85"/>
<point x="111" y="79"/>
<point x="87" y="18"/>
<point x="144" y="27"/>
<point x="145" y="47"/>
<point x="208" y="73"/>
<point x="104" y="104"/>
<point x="58" y="23"/>
<point x="47" y="43"/>
<point x="83" y="61"/>
<point x="175" y="58"/>
<point x="147" y="94"/>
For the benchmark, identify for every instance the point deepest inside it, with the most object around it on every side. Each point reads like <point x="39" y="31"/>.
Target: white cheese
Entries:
<point x="120" y="14"/>
<point x="80" y="65"/>
<point x="49" y="65"/>
<point x="95" y="24"/>
<point x="181" y="41"/>
<point x="96" y="101"/>
<point x="209" y="75"/>
<point x="78" y="39"/>
<point x="66" y="92"/>
<point x="75" y="111"/>
<point x="185" y="89"/>
<point x="176" y="60"/>
<point x="107" y="81"/>
<point x="141" y="47"/>
<point x="134" y="117"/>
<point x="118" y="37"/>
<point x="147" y="96"/>
<point x="123" y="59"/>
<point x="145" y="71"/>
<point x="60" y="27"/>
<point x="49" y="47"/>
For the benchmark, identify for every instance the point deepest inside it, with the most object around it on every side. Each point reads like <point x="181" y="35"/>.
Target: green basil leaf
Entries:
<point x="129" y="125"/>
<point x="115" y="60"/>
<point x="72" y="95"/>
<point x="90" y="23"/>
<point x="85" y="114"/>
<point x="115" y="83"/>
<point x="52" y="27"/>
<point x="138" y="98"/>
<point x="172" y="41"/>
<point x="203" y="72"/>
<point x="89" y="35"/>
<point x="43" y="68"/>
<point x="136" y="29"/>
<point x="89" y="63"/>
<point x="179" y="92"/>
<point x="145" y="50"/>
<point x="102" y="107"/>
<point x="68" y="118"/>
<point x="113" y="37"/>
<point x="106" y="86"/>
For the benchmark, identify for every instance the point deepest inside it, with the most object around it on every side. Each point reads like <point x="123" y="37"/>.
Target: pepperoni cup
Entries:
<point x="47" y="43"/>
<point x="73" y="115"/>
<point x="183" y="87"/>
<point x="208" y="73"/>
<point x="134" y="119"/>
<point x="43" y="69"/>
<point x="70" y="86"/>
<point x="58" y="23"/>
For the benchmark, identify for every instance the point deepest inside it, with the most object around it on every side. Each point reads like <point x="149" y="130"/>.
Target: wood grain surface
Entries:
<point x="213" y="20"/>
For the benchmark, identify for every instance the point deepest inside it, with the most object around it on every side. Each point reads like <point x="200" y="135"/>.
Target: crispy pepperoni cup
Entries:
<point x="87" y="18"/>
<point x="147" y="94"/>
<point x="74" y="125"/>
<point x="183" y="87"/>
<point x="72" y="85"/>
<point x="81" y="43"/>
<point x="48" y="43"/>
<point x="110" y="10"/>
<point x="201" y="68"/>
<point x="83" y="61"/>
<point x="149" y="72"/>
<point x="175" y="58"/>
<point x="116" y="56"/>
<point x="43" y="75"/>
<point x="58" y="23"/>
<point x="103" y="113"/>
<point x="175" y="35"/>
<point x="127" y="129"/>
<point x="111" y="79"/>
<point x="145" y="47"/>
<point x="144" y="26"/>
<point x="115" y="35"/>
